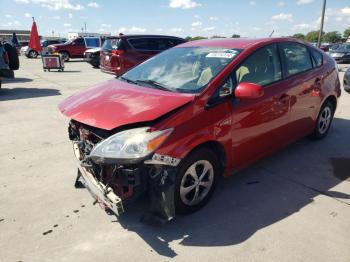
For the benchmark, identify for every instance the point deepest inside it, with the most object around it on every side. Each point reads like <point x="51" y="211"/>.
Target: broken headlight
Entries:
<point x="130" y="144"/>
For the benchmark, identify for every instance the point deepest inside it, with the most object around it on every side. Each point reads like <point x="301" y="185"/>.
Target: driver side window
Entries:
<point x="263" y="67"/>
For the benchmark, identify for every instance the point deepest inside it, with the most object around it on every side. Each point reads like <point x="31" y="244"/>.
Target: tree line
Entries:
<point x="329" y="37"/>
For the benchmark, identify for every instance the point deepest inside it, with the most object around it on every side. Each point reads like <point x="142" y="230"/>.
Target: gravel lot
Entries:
<point x="293" y="206"/>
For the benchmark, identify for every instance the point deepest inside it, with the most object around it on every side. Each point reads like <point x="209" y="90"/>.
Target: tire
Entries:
<point x="324" y="121"/>
<point x="33" y="54"/>
<point x="187" y="187"/>
<point x="65" y="56"/>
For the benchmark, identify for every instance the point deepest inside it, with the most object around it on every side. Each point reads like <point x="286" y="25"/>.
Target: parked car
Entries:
<point x="174" y="124"/>
<point x="120" y="53"/>
<point x="75" y="48"/>
<point x="347" y="80"/>
<point x="341" y="54"/>
<point x="334" y="47"/>
<point x="92" y="56"/>
<point x="30" y="53"/>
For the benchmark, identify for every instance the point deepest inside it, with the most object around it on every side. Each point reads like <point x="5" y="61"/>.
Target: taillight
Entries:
<point x="117" y="52"/>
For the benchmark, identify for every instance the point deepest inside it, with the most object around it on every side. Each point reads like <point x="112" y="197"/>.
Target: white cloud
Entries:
<point x="93" y="4"/>
<point x="159" y="30"/>
<point x="67" y="25"/>
<point x="176" y="29"/>
<point x="8" y="16"/>
<point x="106" y="25"/>
<point x="282" y="17"/>
<point x="197" y="16"/>
<point x="210" y="28"/>
<point x="57" y="17"/>
<point x="54" y="4"/>
<point x="281" y="4"/>
<point x="198" y="23"/>
<point x="70" y="15"/>
<point x="303" y="26"/>
<point x="27" y="15"/>
<point x="183" y="4"/>
<point x="252" y="3"/>
<point x="304" y="2"/>
<point x="213" y="18"/>
<point x="132" y="30"/>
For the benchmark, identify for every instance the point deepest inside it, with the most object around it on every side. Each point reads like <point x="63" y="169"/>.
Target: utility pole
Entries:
<point x="322" y="22"/>
<point x="85" y="27"/>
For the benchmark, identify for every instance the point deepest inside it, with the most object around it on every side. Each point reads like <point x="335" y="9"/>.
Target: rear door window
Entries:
<point x="79" y="41"/>
<point x="141" y="43"/>
<point x="297" y="58"/>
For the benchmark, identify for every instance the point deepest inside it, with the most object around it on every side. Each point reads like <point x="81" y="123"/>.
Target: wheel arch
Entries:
<point x="215" y="147"/>
<point x="333" y="100"/>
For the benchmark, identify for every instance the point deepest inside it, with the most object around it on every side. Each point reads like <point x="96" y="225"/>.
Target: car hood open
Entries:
<point x="116" y="103"/>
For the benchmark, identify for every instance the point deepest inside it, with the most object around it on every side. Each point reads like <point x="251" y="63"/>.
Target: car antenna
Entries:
<point x="271" y="33"/>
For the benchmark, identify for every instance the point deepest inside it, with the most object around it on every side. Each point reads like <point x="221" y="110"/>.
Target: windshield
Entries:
<point x="344" y="48"/>
<point x="182" y="69"/>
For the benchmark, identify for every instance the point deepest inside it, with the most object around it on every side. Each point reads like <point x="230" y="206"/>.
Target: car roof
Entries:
<point x="141" y="36"/>
<point x="234" y="43"/>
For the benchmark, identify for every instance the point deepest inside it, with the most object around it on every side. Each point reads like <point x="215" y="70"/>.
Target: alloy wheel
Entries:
<point x="324" y="120"/>
<point x="197" y="182"/>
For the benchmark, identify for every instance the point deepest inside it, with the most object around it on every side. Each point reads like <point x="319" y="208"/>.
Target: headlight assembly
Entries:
<point x="130" y="144"/>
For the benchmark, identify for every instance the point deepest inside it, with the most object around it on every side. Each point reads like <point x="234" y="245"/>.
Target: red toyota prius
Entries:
<point x="170" y="127"/>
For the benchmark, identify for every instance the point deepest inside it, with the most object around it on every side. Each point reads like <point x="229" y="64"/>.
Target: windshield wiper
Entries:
<point x="154" y="84"/>
<point x="128" y="80"/>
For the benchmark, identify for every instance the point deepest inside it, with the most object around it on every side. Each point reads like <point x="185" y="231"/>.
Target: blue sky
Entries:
<point x="255" y="18"/>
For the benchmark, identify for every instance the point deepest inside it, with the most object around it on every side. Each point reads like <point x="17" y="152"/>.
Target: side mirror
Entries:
<point x="249" y="91"/>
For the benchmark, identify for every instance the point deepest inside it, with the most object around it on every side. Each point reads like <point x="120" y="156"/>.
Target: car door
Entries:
<point x="78" y="47"/>
<point x="259" y="126"/>
<point x="304" y="83"/>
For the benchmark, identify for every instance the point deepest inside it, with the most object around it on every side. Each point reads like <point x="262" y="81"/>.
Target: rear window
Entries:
<point x="296" y="58"/>
<point x="111" y="44"/>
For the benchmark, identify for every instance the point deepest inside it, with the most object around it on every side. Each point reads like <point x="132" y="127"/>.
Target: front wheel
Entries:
<point x="33" y="54"/>
<point x="324" y="121"/>
<point x="196" y="180"/>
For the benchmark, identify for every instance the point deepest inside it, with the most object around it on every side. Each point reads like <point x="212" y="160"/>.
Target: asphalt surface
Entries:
<point x="292" y="206"/>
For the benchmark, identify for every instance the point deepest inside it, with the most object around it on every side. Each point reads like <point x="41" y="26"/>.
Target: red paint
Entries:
<point x="248" y="91"/>
<point x="116" y="103"/>
<point x="245" y="129"/>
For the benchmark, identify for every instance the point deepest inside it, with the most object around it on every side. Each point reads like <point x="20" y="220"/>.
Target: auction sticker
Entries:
<point x="221" y="55"/>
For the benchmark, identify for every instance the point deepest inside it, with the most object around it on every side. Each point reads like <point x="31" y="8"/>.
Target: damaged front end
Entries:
<point x="116" y="183"/>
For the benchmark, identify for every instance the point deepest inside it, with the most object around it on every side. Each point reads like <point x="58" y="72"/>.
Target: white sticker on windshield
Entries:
<point x="221" y="55"/>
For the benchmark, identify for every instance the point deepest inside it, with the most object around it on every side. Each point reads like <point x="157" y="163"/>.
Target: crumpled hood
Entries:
<point x="116" y="103"/>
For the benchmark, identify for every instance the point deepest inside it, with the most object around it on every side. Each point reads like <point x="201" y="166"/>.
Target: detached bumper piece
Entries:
<point x="103" y="195"/>
<point x="115" y="186"/>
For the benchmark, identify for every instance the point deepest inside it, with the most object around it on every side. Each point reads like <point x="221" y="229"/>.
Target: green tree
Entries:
<point x="312" y="36"/>
<point x="193" y="38"/>
<point x="236" y="36"/>
<point x="332" y="37"/>
<point x="347" y="33"/>
<point x="299" y="36"/>
<point x="217" y="36"/>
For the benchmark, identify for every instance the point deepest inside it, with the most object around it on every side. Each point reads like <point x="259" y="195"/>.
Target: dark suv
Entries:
<point x="120" y="53"/>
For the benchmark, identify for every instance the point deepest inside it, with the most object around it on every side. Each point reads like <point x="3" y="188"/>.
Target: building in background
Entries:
<point x="22" y="35"/>
<point x="73" y="35"/>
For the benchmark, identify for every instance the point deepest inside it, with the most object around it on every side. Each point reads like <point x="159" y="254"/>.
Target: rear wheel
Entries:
<point x="196" y="180"/>
<point x="324" y="121"/>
